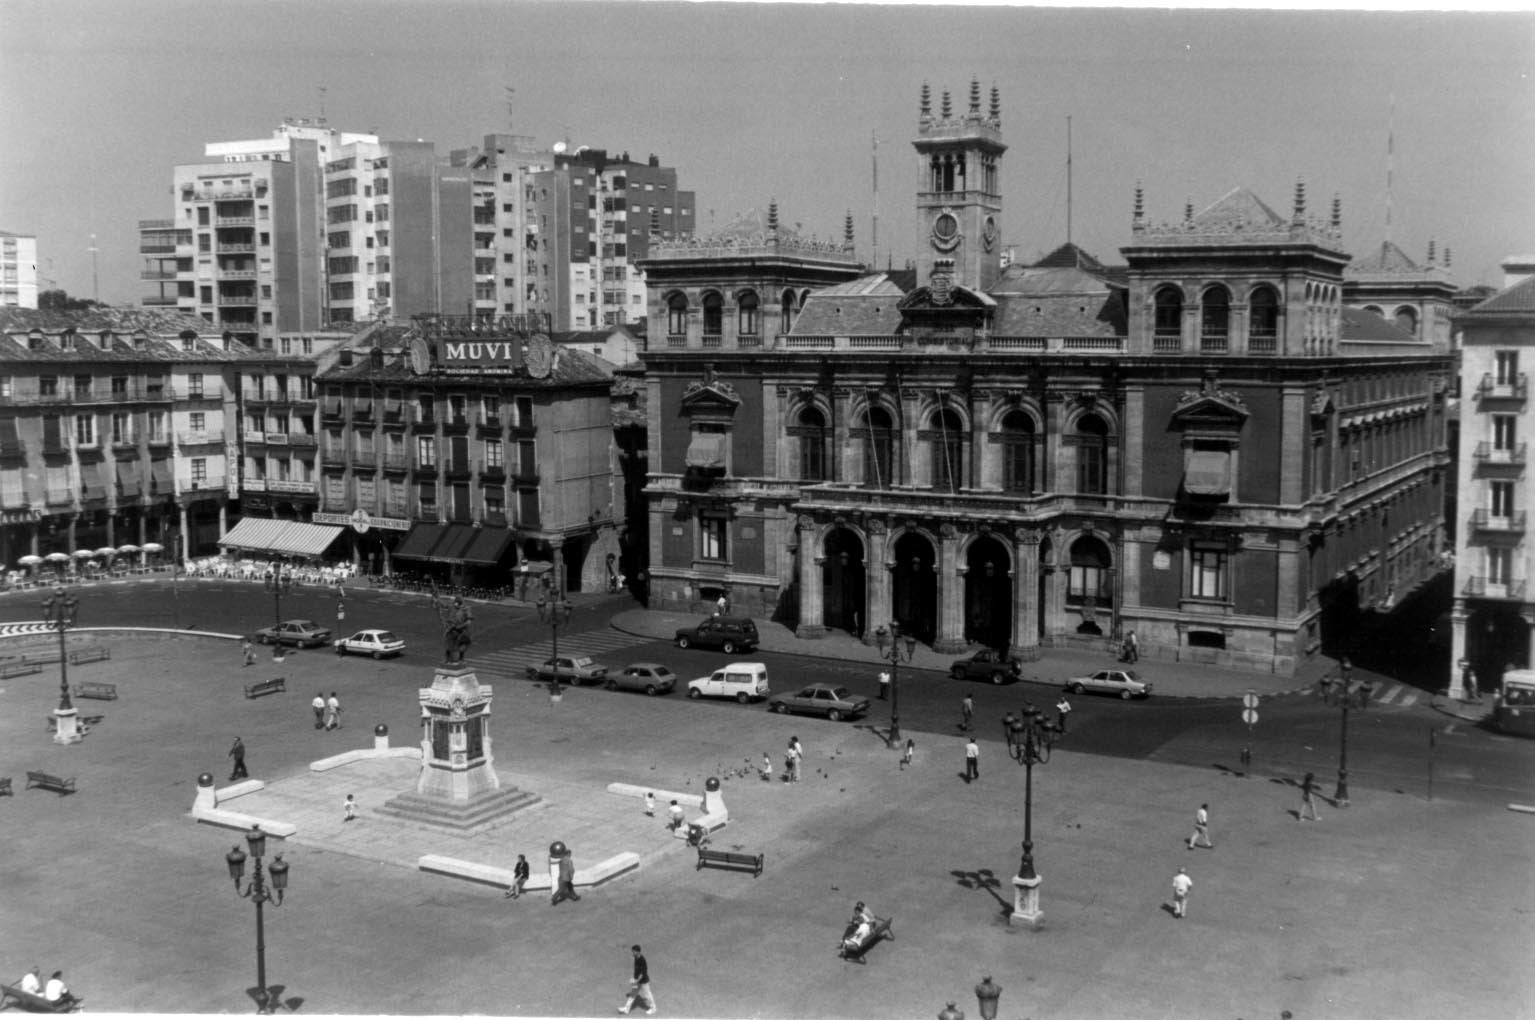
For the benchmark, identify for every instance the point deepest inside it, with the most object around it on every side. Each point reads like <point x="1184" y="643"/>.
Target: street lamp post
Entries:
<point x="555" y="611"/>
<point x="1029" y="739"/>
<point x="279" y="584"/>
<point x="1343" y="697"/>
<point x="258" y="892"/>
<point x="59" y="614"/>
<point x="897" y="653"/>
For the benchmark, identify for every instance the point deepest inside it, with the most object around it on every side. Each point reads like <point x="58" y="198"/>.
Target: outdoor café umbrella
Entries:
<point x="153" y="547"/>
<point x="106" y="551"/>
<point x="83" y="554"/>
<point x="129" y="548"/>
<point x="29" y="561"/>
<point x="56" y="557"/>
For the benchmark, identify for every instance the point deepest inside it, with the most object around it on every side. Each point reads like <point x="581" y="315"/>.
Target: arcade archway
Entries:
<point x="842" y="582"/>
<point x="914" y="586"/>
<point x="988" y="594"/>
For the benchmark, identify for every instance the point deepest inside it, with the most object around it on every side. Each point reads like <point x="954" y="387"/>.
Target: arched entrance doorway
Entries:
<point x="1496" y="638"/>
<point x="988" y="594"/>
<point x="842" y="582"/>
<point x="914" y="586"/>
<point x="1088" y="590"/>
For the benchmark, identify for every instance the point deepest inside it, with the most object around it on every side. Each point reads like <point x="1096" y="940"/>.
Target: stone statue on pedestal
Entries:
<point x="456" y="618"/>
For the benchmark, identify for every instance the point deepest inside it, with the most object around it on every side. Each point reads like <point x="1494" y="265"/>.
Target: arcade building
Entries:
<point x="1206" y="445"/>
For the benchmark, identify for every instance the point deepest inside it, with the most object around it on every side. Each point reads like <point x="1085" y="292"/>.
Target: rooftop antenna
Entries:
<point x="322" y="104"/>
<point x="1390" y="160"/>
<point x="510" y="92"/>
<point x="874" y="232"/>
<point x="1068" y="178"/>
<point x="95" y="282"/>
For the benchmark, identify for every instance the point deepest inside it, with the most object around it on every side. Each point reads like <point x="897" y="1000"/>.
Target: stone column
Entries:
<point x="811" y="563"/>
<point x="1527" y="614"/>
<point x="842" y="454"/>
<point x="904" y="462"/>
<point x="1455" y="688"/>
<point x="877" y="567"/>
<point x="186" y="538"/>
<point x="951" y="593"/>
<point x="1026" y="594"/>
<point x="1134" y="438"/>
<point x="1055" y="590"/>
<point x="223" y="517"/>
<point x="979" y="454"/>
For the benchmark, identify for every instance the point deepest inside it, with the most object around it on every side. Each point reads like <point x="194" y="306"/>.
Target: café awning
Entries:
<point x="1207" y="472"/>
<point x="287" y="538"/>
<point x="128" y="478"/>
<point x="483" y="545"/>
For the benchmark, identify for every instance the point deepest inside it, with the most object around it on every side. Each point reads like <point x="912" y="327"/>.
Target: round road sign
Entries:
<point x="1250" y="699"/>
<point x="1249" y="716"/>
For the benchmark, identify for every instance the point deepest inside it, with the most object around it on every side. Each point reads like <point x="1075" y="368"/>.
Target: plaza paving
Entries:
<point x="1394" y="907"/>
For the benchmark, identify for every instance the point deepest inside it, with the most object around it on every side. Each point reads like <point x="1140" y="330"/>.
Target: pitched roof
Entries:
<point x="104" y="317"/>
<point x="1386" y="259"/>
<point x="1070" y="256"/>
<point x="869" y="304"/>
<point x="1237" y="211"/>
<point x="1518" y="299"/>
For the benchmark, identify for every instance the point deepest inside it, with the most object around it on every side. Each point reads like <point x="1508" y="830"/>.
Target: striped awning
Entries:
<point x="288" y="538"/>
<point x="455" y="543"/>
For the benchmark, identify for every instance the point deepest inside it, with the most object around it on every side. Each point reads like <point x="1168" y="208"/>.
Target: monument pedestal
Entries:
<point x="458" y="787"/>
<point x="1026" y="902"/>
<point x="66" y="726"/>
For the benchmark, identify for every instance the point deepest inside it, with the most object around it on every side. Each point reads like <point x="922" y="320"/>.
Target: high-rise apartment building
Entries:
<point x="18" y="270"/>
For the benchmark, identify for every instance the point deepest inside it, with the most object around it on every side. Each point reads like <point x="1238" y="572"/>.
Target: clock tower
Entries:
<point x="959" y="196"/>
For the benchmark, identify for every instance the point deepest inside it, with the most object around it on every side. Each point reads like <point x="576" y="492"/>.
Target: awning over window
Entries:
<point x="128" y="478"/>
<point x="455" y="543"/>
<point x="160" y="471"/>
<point x="91" y="483"/>
<point x="1207" y="472"/>
<point x="707" y="451"/>
<point x="288" y="538"/>
<point x="10" y="442"/>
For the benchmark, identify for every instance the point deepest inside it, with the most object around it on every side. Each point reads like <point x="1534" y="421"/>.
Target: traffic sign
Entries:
<point x="1250" y="699"/>
<point x="1249" y="716"/>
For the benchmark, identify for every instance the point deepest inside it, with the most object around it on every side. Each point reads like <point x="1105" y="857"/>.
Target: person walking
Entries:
<point x="721" y="604"/>
<point x="650" y="804"/>
<point x="639" y="986"/>
<point x="967" y="711"/>
<point x="237" y="752"/>
<point x="766" y="771"/>
<point x="519" y="877"/>
<point x="567" y="889"/>
<point x="793" y="760"/>
<point x="675" y="816"/>
<point x="350" y="807"/>
<point x="1201" y="828"/>
<point x="1062" y="710"/>
<point x="332" y="712"/>
<point x="972" y="760"/>
<point x="911" y="749"/>
<point x="884" y="685"/>
<point x="248" y="652"/>
<point x="318" y="704"/>
<point x="1307" y="804"/>
<point x="1182" y="883"/>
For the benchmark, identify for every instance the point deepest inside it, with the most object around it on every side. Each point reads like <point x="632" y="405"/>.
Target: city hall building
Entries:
<point x="1205" y="445"/>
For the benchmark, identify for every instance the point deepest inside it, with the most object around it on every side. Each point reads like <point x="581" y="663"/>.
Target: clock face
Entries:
<point x="540" y="356"/>
<point x="989" y="234"/>
<point x="420" y="357"/>
<point x="945" y="232"/>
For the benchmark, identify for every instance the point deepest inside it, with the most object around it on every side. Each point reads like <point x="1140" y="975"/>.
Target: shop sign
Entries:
<point x="361" y="522"/>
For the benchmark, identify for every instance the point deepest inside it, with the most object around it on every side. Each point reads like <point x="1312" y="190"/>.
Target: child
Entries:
<point x="911" y="749"/>
<point x="650" y="805"/>
<point x="676" y="816"/>
<point x="351" y="808"/>
<point x="250" y="655"/>
<point x="767" y="768"/>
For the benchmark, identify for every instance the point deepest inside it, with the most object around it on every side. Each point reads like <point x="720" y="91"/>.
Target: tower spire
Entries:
<point x="1337" y="212"/>
<point x="945" y="109"/>
<point x="996" y="105"/>
<point x="847" y="231"/>
<point x="772" y="223"/>
<point x="925" y="110"/>
<point x="1298" y="218"/>
<point x="1140" y="205"/>
<point x="975" y="97"/>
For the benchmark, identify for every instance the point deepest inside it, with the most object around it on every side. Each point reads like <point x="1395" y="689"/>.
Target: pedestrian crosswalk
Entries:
<point x="1387" y="694"/>
<point x="513" y="663"/>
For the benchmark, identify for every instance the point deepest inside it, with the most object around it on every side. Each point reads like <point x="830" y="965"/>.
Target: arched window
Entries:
<point x="677" y="315"/>
<point x="786" y="310"/>
<point x="1092" y="455"/>
<point x="747" y="323"/>
<point x="948" y="451"/>
<point x="1407" y="319"/>
<point x="810" y="428"/>
<point x="1018" y="452"/>
<point x="714" y="314"/>
<point x="1088" y="578"/>
<point x="1263" y="317"/>
<point x="1214" y="319"/>
<point x="878" y="438"/>
<point x="1167" y="319"/>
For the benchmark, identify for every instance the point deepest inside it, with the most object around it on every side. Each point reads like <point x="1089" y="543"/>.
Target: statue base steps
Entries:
<point x="487" y="808"/>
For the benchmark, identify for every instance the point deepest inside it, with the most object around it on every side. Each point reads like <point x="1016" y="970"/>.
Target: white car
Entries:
<point x="377" y="643"/>
<point x="744" y="681"/>
<point x="1122" y="682"/>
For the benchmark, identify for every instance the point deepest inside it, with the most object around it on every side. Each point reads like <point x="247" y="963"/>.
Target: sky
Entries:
<point x="99" y="99"/>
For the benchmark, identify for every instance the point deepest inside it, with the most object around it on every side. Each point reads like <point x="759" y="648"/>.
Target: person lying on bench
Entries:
<point x="57" y="991"/>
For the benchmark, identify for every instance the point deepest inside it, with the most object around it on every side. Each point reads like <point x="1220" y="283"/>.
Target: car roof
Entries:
<point x="299" y="623"/>
<point x="646" y="665"/>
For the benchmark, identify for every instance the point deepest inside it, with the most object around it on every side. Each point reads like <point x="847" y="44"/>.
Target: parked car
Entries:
<point x="987" y="664"/>
<point x="650" y="677"/>
<point x="1122" y="682"/>
<point x="301" y="633"/>
<point x="744" y="681"/>
<point x="571" y="669"/>
<point x="377" y="643"/>
<point x="821" y="699"/>
<point x="730" y="634"/>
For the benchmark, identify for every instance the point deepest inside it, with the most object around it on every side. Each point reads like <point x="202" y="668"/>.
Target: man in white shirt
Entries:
<point x="56" y="991"/>
<point x="1182" y="883"/>
<point x="32" y="982"/>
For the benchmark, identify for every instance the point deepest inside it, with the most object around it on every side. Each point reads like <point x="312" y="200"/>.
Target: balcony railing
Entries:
<point x="157" y="274"/>
<point x="286" y="485"/>
<point x="126" y="394"/>
<point x="254" y="437"/>
<point x="208" y="484"/>
<point x="1512" y="524"/>
<point x="1262" y="343"/>
<point x="59" y="497"/>
<point x="1490" y="388"/>
<point x="1482" y="587"/>
<point x="396" y="462"/>
<point x="235" y="247"/>
<point x="237" y="300"/>
<point x="1486" y="455"/>
<point x="235" y="221"/>
<point x="301" y="439"/>
<point x="364" y="460"/>
<point x="199" y="438"/>
<point x="333" y="458"/>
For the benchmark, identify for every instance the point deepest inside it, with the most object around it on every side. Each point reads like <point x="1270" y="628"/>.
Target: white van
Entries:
<point x="744" y="681"/>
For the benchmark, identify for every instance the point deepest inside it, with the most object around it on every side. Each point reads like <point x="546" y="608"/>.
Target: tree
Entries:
<point x="59" y="301"/>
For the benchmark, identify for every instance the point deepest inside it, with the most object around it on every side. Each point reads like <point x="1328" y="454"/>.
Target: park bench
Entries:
<point x="43" y="658"/>
<point x="854" y="950"/>
<point x="272" y="686"/>
<point x="48" y="781"/>
<point x="21" y="667"/>
<point x="35" y="1003"/>
<point x="99" y="691"/>
<point x="5" y="785"/>
<point x="97" y="653"/>
<point x="727" y="859"/>
<point x="51" y="721"/>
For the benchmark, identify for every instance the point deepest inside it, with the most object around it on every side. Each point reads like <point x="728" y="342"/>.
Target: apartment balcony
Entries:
<point x="494" y="473"/>
<point x="267" y="397"/>
<point x="1480" y="586"/>
<point x="302" y="439"/>
<point x="495" y="518"/>
<point x="237" y="300"/>
<point x="235" y="274"/>
<point x="197" y="439"/>
<point x="234" y="221"/>
<point x="458" y="469"/>
<point x="201" y="394"/>
<point x="456" y="424"/>
<point x="420" y="422"/>
<point x="488" y="425"/>
<point x="235" y="247"/>
<point x="525" y="474"/>
<point x="212" y="483"/>
<point x="292" y="487"/>
<point x="59" y="497"/>
<point x="125" y="443"/>
<point x="397" y="510"/>
<point x="333" y="458"/>
<point x="255" y="437"/>
<point x="157" y="274"/>
<point x="1214" y="344"/>
<point x="193" y="194"/>
<point x="425" y="472"/>
<point x="276" y="438"/>
<point x="1491" y="389"/>
<point x="1483" y="522"/>
<point x="1263" y="343"/>
<point x="1489" y="458"/>
<point x="428" y="514"/>
<point x="160" y="439"/>
<point x="159" y="301"/>
<point x="253" y="485"/>
<point x="128" y="394"/>
<point x="396" y="462"/>
<point x="364" y="460"/>
<point x="362" y="412"/>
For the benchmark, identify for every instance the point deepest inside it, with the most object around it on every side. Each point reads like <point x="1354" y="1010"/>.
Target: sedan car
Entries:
<point x="650" y="677"/>
<point x="571" y="669"/>
<point x="377" y="643"/>
<point x="301" y="633"/>
<point x="1122" y="682"/>
<point x="821" y="699"/>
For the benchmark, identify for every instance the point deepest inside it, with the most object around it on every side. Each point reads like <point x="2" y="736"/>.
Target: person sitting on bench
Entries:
<point x="859" y="927"/>
<point x="32" y="981"/>
<point x="57" y="991"/>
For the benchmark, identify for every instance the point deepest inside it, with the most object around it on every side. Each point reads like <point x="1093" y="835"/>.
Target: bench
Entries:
<point x="36" y="1003"/>
<point x="47" y="781"/>
<point x="727" y="859"/>
<point x="97" y="653"/>
<point x="855" y="950"/>
<point x="43" y="658"/>
<point x="21" y="667"/>
<point x="272" y="686"/>
<point x="101" y="692"/>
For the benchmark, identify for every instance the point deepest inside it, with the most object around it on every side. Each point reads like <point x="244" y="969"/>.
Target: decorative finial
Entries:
<point x="945" y="109"/>
<point x="1431" y="251"/>
<point x="1188" y="212"/>
<point x="773" y="215"/>
<point x="926" y="109"/>
<point x="847" y="230"/>
<point x="1337" y="212"/>
<point x="1140" y="201"/>
<point x="1447" y="256"/>
<point x="996" y="104"/>
<point x="975" y="96"/>
<point x="1300" y="199"/>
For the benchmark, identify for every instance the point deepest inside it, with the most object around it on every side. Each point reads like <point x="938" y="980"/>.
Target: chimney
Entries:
<point x="346" y="357"/>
